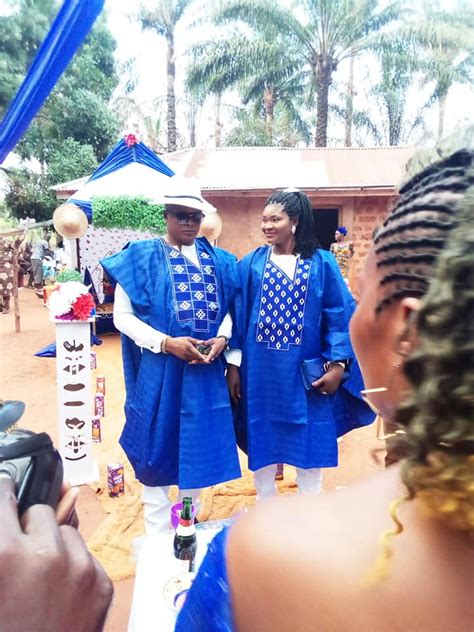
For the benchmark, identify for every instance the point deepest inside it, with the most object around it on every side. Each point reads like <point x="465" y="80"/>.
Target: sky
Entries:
<point x="149" y="56"/>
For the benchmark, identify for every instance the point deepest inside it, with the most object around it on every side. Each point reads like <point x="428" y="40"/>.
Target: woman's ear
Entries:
<point x="407" y="338"/>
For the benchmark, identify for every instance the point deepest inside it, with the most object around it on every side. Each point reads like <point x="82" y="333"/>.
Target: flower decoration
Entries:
<point x="71" y="301"/>
<point x="130" y="140"/>
<point x="69" y="275"/>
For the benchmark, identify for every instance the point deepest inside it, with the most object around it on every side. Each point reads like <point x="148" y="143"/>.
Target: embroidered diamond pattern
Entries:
<point x="200" y="314"/>
<point x="198" y="295"/>
<point x="173" y="254"/>
<point x="179" y="269"/>
<point x="183" y="287"/>
<point x="281" y="314"/>
<point x="185" y="305"/>
<point x="204" y="255"/>
<point x="196" y="278"/>
<point x="213" y="306"/>
<point x="210" y="288"/>
<point x="208" y="269"/>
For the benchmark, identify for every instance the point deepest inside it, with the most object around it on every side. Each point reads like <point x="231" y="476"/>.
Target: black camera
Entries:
<point x="35" y="466"/>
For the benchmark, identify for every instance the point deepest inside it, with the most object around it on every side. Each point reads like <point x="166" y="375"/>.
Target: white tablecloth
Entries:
<point x="156" y="564"/>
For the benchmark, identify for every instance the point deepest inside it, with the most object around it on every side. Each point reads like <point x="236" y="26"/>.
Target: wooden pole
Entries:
<point x="18" y="231"/>
<point x="16" y="302"/>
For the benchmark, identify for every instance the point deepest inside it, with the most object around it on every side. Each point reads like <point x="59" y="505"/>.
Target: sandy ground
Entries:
<point x="110" y="525"/>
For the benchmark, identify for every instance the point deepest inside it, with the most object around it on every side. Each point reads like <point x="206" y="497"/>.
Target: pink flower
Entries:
<point x="130" y="140"/>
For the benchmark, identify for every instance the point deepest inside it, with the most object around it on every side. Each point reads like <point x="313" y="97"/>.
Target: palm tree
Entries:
<point x="262" y="70"/>
<point x="321" y="35"/>
<point x="448" y="49"/>
<point x="163" y="20"/>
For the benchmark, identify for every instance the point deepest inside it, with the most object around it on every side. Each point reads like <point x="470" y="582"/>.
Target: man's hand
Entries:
<point x="329" y="383"/>
<point x="48" y="578"/>
<point x="184" y="347"/>
<point x="218" y="345"/>
<point x="233" y="383"/>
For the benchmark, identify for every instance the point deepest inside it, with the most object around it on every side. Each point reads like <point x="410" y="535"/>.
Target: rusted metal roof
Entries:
<point x="257" y="168"/>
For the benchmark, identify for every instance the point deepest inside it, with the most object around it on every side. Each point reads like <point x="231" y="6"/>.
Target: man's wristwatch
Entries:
<point x="226" y="340"/>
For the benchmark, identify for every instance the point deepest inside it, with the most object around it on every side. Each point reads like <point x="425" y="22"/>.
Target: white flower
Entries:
<point x="59" y="304"/>
<point x="72" y="290"/>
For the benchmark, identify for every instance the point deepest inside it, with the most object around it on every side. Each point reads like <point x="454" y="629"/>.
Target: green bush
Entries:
<point x="69" y="275"/>
<point x="126" y="212"/>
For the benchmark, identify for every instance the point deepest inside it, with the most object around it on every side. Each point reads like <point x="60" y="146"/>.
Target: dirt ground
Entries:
<point x="103" y="521"/>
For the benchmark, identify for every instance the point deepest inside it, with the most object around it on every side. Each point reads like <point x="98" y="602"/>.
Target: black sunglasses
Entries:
<point x="187" y="218"/>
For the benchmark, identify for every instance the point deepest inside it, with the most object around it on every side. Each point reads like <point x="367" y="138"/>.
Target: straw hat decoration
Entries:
<point x="70" y="221"/>
<point x="211" y="225"/>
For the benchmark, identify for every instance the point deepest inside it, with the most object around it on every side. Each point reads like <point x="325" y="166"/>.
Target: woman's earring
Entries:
<point x="293" y="229"/>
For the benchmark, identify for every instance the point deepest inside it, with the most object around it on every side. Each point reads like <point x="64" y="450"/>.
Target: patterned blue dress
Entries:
<point x="178" y="428"/>
<point x="279" y="322"/>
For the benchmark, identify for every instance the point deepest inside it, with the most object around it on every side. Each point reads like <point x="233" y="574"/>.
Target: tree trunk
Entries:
<point x="269" y="107"/>
<point x="349" y="106"/>
<point x="218" y="123"/>
<point x="170" y="95"/>
<point x="323" y="81"/>
<point x="441" y="113"/>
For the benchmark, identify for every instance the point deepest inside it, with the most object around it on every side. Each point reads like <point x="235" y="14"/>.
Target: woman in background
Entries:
<point x="343" y="251"/>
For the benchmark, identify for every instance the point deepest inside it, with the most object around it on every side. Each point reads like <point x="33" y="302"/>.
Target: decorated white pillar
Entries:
<point x="73" y="355"/>
<point x="72" y="309"/>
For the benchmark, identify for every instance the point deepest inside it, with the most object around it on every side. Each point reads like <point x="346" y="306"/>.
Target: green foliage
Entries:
<point x="69" y="275"/>
<point x="71" y="160"/>
<point x="27" y="195"/>
<point x="74" y="129"/>
<point x="126" y="212"/>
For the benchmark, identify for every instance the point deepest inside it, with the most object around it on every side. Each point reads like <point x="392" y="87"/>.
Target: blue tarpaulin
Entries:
<point x="50" y="350"/>
<point x="67" y="33"/>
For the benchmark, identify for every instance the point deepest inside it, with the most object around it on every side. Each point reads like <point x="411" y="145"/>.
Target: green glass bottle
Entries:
<point x="185" y="542"/>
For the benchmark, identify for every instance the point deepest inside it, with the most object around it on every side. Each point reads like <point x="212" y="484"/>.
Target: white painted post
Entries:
<point x="73" y="361"/>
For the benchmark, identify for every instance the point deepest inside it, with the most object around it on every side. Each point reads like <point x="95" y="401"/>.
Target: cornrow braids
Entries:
<point x="408" y="243"/>
<point x="297" y="205"/>
<point x="439" y="416"/>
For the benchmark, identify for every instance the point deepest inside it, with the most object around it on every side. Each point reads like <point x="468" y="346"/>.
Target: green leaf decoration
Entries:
<point x="136" y="213"/>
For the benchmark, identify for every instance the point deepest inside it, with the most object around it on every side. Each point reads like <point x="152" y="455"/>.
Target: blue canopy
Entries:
<point x="67" y="33"/>
<point x="131" y="169"/>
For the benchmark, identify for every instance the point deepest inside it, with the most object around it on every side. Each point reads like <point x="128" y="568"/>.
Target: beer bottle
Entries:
<point x="185" y="542"/>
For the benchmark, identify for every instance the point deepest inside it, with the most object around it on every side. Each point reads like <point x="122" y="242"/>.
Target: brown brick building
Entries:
<point x="348" y="186"/>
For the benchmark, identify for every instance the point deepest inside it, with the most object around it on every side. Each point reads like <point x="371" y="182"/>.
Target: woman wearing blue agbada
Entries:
<point x="292" y="324"/>
<point x="171" y="296"/>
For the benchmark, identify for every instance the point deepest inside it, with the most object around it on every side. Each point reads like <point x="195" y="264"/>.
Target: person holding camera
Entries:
<point x="46" y="572"/>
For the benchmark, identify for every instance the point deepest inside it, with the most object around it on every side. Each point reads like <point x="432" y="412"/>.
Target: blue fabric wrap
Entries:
<point x="178" y="426"/>
<point x="279" y="420"/>
<point x="67" y="33"/>
<point x="122" y="155"/>
<point x="208" y="606"/>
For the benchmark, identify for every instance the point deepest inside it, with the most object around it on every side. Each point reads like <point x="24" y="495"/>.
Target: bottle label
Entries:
<point x="186" y="528"/>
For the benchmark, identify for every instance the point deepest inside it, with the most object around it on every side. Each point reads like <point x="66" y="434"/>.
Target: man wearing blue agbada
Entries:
<point x="172" y="297"/>
<point x="292" y="325"/>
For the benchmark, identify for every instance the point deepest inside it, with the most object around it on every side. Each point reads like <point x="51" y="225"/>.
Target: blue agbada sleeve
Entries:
<point x="208" y="605"/>
<point x="337" y="308"/>
<point x="131" y="268"/>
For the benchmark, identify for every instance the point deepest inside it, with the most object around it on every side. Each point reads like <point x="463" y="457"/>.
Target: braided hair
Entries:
<point x="439" y="416"/>
<point x="408" y="243"/>
<point x="296" y="205"/>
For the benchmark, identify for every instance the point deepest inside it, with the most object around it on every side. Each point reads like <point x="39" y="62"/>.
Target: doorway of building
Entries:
<point x="326" y="220"/>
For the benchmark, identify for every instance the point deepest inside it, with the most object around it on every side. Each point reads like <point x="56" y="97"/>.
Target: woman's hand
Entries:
<point x="233" y="383"/>
<point x="329" y="383"/>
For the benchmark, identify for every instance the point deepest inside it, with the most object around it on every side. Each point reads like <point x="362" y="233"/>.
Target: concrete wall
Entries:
<point x="241" y="216"/>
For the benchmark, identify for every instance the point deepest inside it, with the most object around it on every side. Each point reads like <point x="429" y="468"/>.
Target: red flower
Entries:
<point x="83" y="307"/>
<point x="130" y="140"/>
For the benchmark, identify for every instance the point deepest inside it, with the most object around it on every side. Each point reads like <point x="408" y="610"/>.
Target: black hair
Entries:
<point x="411" y="238"/>
<point x="297" y="206"/>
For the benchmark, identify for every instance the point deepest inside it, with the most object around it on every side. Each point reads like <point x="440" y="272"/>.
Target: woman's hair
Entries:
<point x="409" y="242"/>
<point x="439" y="416"/>
<point x="297" y="206"/>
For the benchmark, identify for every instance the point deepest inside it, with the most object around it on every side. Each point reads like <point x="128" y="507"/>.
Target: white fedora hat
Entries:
<point x="186" y="192"/>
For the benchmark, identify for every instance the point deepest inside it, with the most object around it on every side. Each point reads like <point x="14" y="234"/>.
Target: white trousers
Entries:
<point x="157" y="507"/>
<point x="308" y="481"/>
